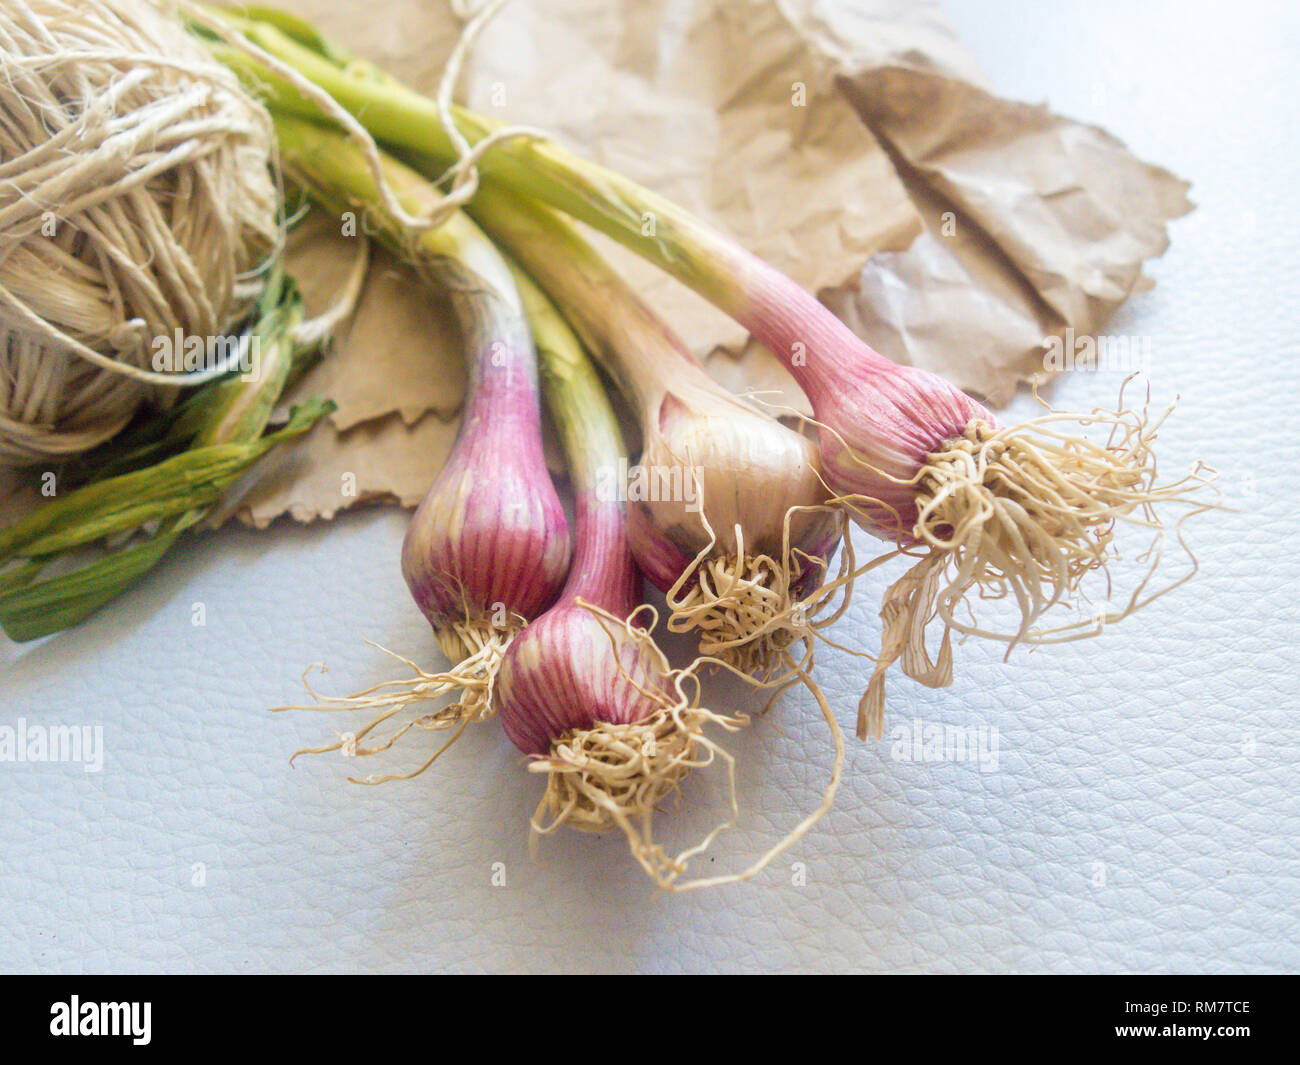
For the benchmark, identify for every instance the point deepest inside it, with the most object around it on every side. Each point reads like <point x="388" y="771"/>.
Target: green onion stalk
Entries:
<point x="1024" y="513"/>
<point x="135" y="504"/>
<point x="488" y="547"/>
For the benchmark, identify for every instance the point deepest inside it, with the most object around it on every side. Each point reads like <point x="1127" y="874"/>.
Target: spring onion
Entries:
<point x="488" y="547"/>
<point x="1020" y="513"/>
<point x="584" y="689"/>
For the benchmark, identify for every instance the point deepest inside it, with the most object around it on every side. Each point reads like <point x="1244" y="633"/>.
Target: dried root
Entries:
<point x="1028" y="513"/>
<point x="749" y="609"/>
<point x="617" y="775"/>
<point x="741" y="607"/>
<point x="476" y="647"/>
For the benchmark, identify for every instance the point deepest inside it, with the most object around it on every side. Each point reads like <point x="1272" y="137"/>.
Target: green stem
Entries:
<point x="589" y="432"/>
<point x="647" y="223"/>
<point x="189" y="481"/>
<point x="603" y="571"/>
<point x="456" y="255"/>
<point x="31" y="609"/>
<point x="241" y="406"/>
<point x="633" y="344"/>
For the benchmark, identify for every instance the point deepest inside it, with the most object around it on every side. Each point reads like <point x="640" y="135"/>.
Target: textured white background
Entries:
<point x="1133" y="751"/>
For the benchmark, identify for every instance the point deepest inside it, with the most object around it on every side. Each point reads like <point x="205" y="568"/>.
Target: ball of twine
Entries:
<point x="136" y="201"/>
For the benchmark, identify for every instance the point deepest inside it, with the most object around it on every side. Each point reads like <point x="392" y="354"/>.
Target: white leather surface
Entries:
<point x="1145" y="809"/>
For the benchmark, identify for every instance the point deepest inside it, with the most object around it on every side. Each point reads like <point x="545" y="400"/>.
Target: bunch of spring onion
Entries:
<point x="612" y="749"/>
<point x="729" y="512"/>
<point x="488" y="547"/>
<point x="579" y="684"/>
<point x="730" y="520"/>
<point x="1024" y="513"/>
<point x="126" y="503"/>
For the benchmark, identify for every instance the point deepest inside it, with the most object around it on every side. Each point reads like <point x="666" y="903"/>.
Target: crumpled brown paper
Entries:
<point x="819" y="133"/>
<point x="332" y="470"/>
<point x="399" y="353"/>
<point x="1047" y="221"/>
<point x="1028" y="222"/>
<point x="1032" y="222"/>
<point x="722" y="106"/>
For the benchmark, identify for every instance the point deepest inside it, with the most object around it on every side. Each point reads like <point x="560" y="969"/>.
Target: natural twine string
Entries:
<point x="462" y="177"/>
<point x="136" y="201"/>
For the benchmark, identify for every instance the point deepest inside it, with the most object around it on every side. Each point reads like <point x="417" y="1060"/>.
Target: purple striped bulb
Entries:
<point x="879" y="421"/>
<point x="880" y="426"/>
<point x="571" y="669"/>
<point x="490" y="538"/>
<point x="575" y="669"/>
